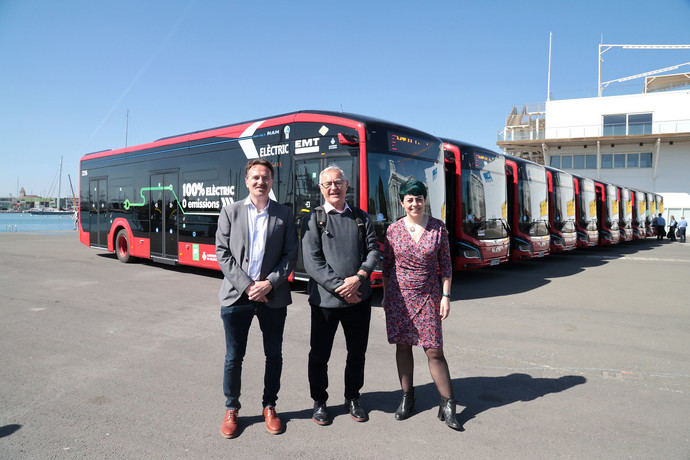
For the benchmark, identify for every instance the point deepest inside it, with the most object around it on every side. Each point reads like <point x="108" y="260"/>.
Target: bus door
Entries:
<point x="98" y="212"/>
<point x="163" y="215"/>
<point x="308" y="193"/>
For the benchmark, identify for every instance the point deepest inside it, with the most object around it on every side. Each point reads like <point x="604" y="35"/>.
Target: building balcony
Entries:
<point x="520" y="133"/>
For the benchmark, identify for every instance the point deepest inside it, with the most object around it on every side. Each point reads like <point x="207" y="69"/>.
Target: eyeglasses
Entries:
<point x="336" y="183"/>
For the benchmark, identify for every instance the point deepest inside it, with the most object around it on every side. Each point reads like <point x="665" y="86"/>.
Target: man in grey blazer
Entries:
<point x="256" y="245"/>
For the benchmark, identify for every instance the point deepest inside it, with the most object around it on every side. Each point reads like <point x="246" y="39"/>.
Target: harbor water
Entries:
<point x="25" y="222"/>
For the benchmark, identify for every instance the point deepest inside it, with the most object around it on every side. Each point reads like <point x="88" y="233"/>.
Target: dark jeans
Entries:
<point x="681" y="234"/>
<point x="237" y="319"/>
<point x="660" y="232"/>
<point x="324" y="323"/>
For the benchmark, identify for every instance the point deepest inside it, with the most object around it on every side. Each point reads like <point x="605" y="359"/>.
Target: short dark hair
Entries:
<point x="258" y="162"/>
<point x="412" y="187"/>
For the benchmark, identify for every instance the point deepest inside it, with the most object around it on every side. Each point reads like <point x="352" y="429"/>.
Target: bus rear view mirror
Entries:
<point x="348" y="139"/>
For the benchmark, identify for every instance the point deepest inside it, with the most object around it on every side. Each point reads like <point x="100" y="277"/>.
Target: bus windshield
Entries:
<point x="588" y="204"/>
<point x="533" y="200"/>
<point x="641" y="208"/>
<point x="564" y="207"/>
<point x="612" y="206"/>
<point x="651" y="208"/>
<point x="626" y="208"/>
<point x="395" y="156"/>
<point x="483" y="195"/>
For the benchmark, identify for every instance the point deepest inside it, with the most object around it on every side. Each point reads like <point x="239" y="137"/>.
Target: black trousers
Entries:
<point x="324" y="324"/>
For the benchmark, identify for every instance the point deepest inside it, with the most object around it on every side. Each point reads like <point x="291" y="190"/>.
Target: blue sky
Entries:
<point x="71" y="70"/>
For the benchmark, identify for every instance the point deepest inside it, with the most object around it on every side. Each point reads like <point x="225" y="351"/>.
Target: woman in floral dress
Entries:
<point x="416" y="254"/>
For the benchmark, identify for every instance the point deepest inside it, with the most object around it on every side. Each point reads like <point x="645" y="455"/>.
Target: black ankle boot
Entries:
<point x="406" y="405"/>
<point x="446" y="413"/>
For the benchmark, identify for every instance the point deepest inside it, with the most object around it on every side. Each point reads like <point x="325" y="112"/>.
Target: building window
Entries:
<point x="614" y="125"/>
<point x="607" y="161"/>
<point x="555" y="161"/>
<point x="590" y="162"/>
<point x="640" y="123"/>
<point x="627" y="124"/>
<point x="633" y="160"/>
<point x="566" y="162"/>
<point x="578" y="162"/>
<point x="645" y="160"/>
<point x="619" y="160"/>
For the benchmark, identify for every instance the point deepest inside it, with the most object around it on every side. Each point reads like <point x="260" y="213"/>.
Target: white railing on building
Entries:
<point x="518" y="133"/>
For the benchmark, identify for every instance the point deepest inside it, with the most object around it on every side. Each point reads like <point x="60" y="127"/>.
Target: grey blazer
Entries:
<point x="232" y="250"/>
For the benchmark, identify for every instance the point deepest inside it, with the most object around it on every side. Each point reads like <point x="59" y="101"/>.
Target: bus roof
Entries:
<point x="289" y="117"/>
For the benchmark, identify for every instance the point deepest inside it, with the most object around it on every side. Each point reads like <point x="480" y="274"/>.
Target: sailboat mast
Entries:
<point x="59" y="185"/>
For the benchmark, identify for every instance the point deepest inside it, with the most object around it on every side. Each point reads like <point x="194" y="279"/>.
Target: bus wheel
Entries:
<point x="122" y="246"/>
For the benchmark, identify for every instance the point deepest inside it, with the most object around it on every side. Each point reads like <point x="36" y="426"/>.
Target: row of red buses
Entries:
<point x="531" y="210"/>
<point x="161" y="200"/>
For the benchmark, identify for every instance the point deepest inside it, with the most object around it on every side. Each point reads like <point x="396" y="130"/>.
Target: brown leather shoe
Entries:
<point x="229" y="427"/>
<point x="273" y="423"/>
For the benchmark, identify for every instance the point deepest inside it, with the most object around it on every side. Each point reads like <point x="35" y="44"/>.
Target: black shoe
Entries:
<point x="446" y="413"/>
<point x="320" y="415"/>
<point x="406" y="405"/>
<point x="356" y="411"/>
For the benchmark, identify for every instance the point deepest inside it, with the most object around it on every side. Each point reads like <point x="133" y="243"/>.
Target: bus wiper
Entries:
<point x="502" y="221"/>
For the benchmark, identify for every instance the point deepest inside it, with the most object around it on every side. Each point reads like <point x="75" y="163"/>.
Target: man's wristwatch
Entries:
<point x="362" y="278"/>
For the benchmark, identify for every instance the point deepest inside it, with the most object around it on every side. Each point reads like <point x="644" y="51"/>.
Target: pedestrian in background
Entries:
<point x="660" y="227"/>
<point x="672" y="226"/>
<point x="682" y="226"/>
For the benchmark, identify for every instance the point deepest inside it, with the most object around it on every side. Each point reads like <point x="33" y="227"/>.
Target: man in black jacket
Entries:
<point x="339" y="255"/>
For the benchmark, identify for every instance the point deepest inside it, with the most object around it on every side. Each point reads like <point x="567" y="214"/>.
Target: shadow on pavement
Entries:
<point x="476" y="394"/>
<point x="9" y="429"/>
<point x="517" y="277"/>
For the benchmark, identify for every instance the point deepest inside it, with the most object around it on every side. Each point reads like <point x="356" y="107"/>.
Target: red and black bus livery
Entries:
<point x="476" y="201"/>
<point x="561" y="210"/>
<point x="585" y="212"/>
<point x="161" y="200"/>
<point x="528" y="208"/>
<point x="607" y="213"/>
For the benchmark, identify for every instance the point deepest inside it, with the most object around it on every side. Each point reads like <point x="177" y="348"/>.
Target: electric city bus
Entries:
<point x="639" y="215"/>
<point x="476" y="203"/>
<point x="607" y="213"/>
<point x="161" y="200"/>
<point x="585" y="212"/>
<point x="625" y="211"/>
<point x="561" y="210"/>
<point x="528" y="208"/>
<point x="651" y="214"/>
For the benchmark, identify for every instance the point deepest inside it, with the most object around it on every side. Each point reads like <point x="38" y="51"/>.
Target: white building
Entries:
<point x="641" y="141"/>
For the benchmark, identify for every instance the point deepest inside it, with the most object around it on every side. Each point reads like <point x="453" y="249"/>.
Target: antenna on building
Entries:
<point x="548" y="76"/>
<point x="605" y="47"/>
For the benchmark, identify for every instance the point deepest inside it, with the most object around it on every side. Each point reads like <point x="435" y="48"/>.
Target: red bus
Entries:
<point x="561" y="210"/>
<point x="651" y="214"/>
<point x="639" y="216"/>
<point x="528" y="208"/>
<point x="476" y="201"/>
<point x="607" y="213"/>
<point x="161" y="200"/>
<point x="585" y="212"/>
<point x="625" y="211"/>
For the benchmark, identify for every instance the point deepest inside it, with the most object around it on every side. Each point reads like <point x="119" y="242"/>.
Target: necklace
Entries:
<point x="411" y="226"/>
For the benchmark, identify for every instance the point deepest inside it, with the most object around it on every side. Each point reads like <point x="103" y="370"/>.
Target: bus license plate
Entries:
<point x="540" y="254"/>
<point x="494" y="262"/>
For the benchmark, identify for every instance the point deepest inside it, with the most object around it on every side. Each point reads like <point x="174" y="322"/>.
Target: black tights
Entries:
<point x="437" y="366"/>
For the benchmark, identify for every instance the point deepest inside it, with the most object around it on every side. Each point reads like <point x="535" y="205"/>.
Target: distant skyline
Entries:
<point x="73" y="69"/>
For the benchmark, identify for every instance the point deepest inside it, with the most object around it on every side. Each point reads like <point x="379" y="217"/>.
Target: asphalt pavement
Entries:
<point x="582" y="355"/>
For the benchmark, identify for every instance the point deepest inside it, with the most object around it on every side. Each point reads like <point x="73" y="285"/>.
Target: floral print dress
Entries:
<point x="413" y="289"/>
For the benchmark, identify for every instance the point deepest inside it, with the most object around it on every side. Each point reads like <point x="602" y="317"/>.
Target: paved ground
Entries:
<point x="584" y="355"/>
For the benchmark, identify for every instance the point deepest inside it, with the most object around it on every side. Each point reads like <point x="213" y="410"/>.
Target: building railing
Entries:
<point x="567" y="132"/>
